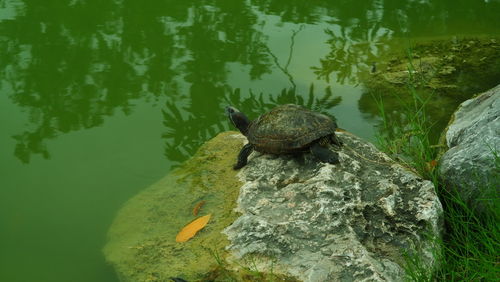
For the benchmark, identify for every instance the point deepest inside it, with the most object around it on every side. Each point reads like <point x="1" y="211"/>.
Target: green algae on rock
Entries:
<point x="141" y="243"/>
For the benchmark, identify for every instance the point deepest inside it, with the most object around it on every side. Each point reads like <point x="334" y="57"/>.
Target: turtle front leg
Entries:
<point x="243" y="156"/>
<point x="324" y="154"/>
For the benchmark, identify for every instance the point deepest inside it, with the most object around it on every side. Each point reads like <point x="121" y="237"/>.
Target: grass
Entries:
<point x="471" y="241"/>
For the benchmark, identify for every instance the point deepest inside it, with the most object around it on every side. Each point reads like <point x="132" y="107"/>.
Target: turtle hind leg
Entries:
<point x="243" y="156"/>
<point x="324" y="154"/>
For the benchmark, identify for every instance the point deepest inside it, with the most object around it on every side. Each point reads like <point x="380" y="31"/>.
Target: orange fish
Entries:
<point x="192" y="228"/>
<point x="197" y="208"/>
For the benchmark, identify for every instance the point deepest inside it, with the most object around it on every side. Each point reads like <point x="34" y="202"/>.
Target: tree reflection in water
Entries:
<point x="72" y="65"/>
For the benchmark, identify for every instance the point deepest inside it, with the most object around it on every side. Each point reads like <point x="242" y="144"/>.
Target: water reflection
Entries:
<point x="406" y="18"/>
<point x="72" y="65"/>
<point x="437" y="112"/>
<point x="350" y="58"/>
<point x="10" y="9"/>
<point x="70" y="70"/>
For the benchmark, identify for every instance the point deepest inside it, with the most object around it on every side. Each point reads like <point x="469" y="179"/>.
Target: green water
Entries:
<point x="99" y="99"/>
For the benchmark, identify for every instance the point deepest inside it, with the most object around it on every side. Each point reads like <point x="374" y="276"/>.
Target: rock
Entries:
<point x="300" y="219"/>
<point x="472" y="138"/>
<point x="322" y="222"/>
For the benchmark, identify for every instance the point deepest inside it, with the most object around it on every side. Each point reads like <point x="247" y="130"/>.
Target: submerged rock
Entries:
<point x="323" y="222"/>
<point x="456" y="68"/>
<point x="471" y="163"/>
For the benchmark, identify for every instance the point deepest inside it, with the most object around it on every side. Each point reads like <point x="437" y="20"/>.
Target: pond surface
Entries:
<point x="99" y="99"/>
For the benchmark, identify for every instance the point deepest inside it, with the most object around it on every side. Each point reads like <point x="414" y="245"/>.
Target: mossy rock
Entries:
<point x="141" y="241"/>
<point x="142" y="244"/>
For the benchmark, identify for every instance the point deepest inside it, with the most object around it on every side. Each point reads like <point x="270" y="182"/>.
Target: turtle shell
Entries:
<point x="288" y="128"/>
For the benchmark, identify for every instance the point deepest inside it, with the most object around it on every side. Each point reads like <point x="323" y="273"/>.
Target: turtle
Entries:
<point x="286" y="129"/>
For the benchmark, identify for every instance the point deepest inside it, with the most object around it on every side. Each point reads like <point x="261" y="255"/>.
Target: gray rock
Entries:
<point x="473" y="136"/>
<point x="323" y="222"/>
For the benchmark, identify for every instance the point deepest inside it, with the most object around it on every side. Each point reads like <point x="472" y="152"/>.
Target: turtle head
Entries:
<point x="238" y="119"/>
